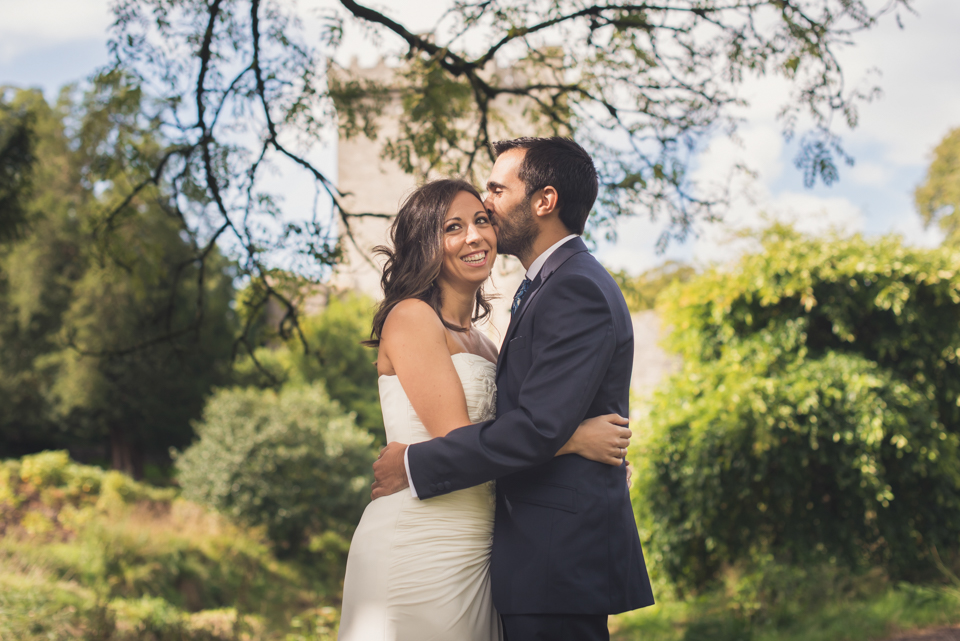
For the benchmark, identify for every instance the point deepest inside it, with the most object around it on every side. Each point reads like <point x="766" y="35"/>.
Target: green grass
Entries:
<point x="833" y="607"/>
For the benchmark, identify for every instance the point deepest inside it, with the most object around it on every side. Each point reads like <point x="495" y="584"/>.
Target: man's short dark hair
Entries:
<point x="562" y="164"/>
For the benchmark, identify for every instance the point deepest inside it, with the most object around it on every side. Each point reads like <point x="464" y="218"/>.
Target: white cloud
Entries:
<point x="921" y="88"/>
<point x="892" y="143"/>
<point x="815" y="215"/>
<point x="870" y="173"/>
<point x="29" y="26"/>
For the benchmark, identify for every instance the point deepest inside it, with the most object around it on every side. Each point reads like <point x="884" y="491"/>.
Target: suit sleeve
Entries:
<point x="572" y="343"/>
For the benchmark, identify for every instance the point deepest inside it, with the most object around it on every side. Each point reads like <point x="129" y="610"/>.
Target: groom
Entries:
<point x="565" y="548"/>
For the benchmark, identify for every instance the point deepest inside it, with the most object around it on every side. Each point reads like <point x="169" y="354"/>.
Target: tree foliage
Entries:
<point x="641" y="291"/>
<point x="291" y="461"/>
<point x="16" y="161"/>
<point x="240" y="88"/>
<point x="104" y="337"/>
<point x="333" y="356"/>
<point x="938" y="198"/>
<point x="816" y="415"/>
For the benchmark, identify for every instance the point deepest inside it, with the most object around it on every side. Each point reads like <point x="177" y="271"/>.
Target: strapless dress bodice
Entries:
<point x="477" y="375"/>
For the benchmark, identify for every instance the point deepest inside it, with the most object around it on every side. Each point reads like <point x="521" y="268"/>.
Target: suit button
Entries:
<point x="433" y="487"/>
<point x="447" y="485"/>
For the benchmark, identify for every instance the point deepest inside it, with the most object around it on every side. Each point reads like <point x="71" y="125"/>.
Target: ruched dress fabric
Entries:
<point x="420" y="570"/>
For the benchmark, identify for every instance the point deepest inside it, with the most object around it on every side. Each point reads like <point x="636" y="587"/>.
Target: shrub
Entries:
<point x="335" y="358"/>
<point x="290" y="461"/>
<point x="809" y="420"/>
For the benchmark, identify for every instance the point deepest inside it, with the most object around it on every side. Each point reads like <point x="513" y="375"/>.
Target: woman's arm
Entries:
<point x="603" y="439"/>
<point x="414" y="341"/>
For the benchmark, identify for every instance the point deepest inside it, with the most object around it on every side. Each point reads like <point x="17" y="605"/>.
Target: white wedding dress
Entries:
<point x="420" y="570"/>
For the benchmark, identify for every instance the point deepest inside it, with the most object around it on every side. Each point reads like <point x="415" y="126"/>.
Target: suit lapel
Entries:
<point x="557" y="258"/>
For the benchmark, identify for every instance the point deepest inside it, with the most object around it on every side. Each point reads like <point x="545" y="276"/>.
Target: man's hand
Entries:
<point x="389" y="473"/>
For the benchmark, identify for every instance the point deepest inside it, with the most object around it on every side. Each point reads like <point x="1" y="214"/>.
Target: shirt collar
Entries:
<point x="537" y="264"/>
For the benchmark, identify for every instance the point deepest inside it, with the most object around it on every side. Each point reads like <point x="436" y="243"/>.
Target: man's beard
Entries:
<point x="516" y="231"/>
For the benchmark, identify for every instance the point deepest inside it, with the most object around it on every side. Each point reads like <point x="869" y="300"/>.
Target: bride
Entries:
<point x="419" y="570"/>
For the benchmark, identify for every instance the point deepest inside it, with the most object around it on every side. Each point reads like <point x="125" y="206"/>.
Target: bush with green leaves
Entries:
<point x="292" y="461"/>
<point x="333" y="356"/>
<point x="816" y="414"/>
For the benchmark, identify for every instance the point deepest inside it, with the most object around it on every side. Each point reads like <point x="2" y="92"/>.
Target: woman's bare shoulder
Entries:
<point x="412" y="315"/>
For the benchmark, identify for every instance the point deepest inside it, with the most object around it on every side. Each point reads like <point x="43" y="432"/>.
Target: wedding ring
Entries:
<point x="621" y="452"/>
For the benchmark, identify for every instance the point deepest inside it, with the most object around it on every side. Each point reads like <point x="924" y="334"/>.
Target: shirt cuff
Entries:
<point x="406" y="467"/>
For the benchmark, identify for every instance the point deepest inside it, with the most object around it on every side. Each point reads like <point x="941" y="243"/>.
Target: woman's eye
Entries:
<point x="453" y="227"/>
<point x="482" y="220"/>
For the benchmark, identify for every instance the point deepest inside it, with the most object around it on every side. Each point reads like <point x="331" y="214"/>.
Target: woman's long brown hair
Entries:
<point x="414" y="262"/>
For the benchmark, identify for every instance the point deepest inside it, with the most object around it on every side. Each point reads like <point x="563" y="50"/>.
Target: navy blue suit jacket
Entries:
<point x="565" y="540"/>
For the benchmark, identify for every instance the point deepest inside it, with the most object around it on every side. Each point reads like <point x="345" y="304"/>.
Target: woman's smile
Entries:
<point x="475" y="259"/>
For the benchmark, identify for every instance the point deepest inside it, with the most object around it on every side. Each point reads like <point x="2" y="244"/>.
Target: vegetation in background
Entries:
<point x="938" y="198"/>
<point x="641" y="291"/>
<point x="291" y="461"/>
<point x="103" y="337"/>
<point x="333" y="355"/>
<point x="815" y="418"/>
<point x="16" y="163"/>
<point x="93" y="555"/>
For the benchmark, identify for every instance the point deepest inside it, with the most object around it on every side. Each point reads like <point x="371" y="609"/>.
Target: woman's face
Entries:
<point x="469" y="242"/>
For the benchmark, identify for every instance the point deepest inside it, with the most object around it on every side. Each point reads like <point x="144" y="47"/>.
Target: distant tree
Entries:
<point x="16" y="161"/>
<point x="239" y="86"/>
<point x="114" y="338"/>
<point x="938" y="198"/>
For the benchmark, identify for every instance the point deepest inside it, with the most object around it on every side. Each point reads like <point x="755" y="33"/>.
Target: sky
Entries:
<point x="48" y="43"/>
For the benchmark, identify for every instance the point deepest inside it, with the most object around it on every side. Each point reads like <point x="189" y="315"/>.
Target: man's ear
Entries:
<point x="545" y="201"/>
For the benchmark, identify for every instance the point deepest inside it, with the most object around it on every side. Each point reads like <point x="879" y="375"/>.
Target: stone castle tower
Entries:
<point x="376" y="186"/>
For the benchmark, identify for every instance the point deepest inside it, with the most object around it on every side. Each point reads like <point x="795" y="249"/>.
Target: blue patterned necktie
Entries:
<point x="518" y="297"/>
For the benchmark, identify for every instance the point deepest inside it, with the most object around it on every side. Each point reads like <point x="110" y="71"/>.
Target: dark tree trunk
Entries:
<point x="126" y="455"/>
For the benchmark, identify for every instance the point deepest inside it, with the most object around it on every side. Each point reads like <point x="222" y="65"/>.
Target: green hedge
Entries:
<point x="815" y="417"/>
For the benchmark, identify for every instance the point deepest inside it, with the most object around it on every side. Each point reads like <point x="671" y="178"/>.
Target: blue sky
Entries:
<point x="47" y="43"/>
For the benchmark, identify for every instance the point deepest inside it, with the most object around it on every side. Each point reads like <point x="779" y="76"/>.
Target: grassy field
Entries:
<point x="822" y="604"/>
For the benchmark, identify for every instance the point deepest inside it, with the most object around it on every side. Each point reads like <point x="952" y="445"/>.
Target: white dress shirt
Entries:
<point x="532" y="272"/>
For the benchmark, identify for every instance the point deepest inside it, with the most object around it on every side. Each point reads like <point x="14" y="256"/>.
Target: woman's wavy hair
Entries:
<point x="414" y="262"/>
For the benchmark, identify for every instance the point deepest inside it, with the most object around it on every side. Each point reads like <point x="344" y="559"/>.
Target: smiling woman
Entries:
<point x="469" y="242"/>
<point x="423" y="235"/>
